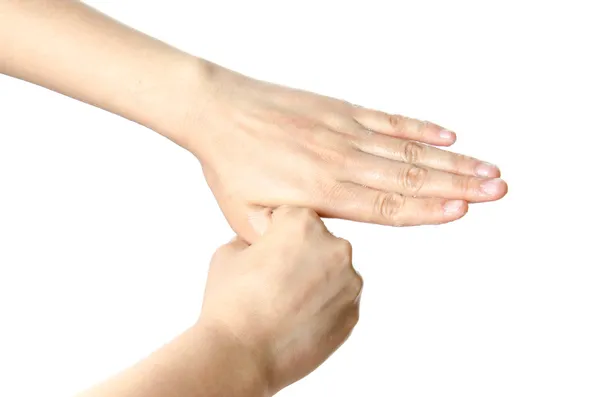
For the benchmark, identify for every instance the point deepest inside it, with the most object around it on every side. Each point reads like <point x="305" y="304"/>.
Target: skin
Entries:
<point x="275" y="310"/>
<point x="338" y="159"/>
<point x="272" y="313"/>
<point x="331" y="159"/>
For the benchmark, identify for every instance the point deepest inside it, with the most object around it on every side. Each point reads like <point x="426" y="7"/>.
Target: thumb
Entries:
<point x="247" y="220"/>
<point x="250" y="222"/>
<point x="260" y="219"/>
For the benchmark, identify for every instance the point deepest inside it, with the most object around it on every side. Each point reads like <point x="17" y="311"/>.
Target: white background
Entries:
<point x="106" y="228"/>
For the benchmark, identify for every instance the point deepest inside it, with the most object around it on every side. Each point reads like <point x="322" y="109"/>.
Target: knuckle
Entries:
<point x="353" y="316"/>
<point x="333" y="119"/>
<point x="460" y="183"/>
<point x="327" y="148"/>
<point x="412" y="152"/>
<point x="305" y="216"/>
<point x="336" y="156"/>
<point x="306" y="221"/>
<point x="421" y="128"/>
<point x="388" y="206"/>
<point x="347" y="103"/>
<point x="343" y="252"/>
<point x="396" y="121"/>
<point x="220" y="254"/>
<point x="315" y="136"/>
<point x="412" y="178"/>
<point x="332" y="190"/>
<point x="285" y="209"/>
<point x="357" y="284"/>
<point x="217" y="255"/>
<point x="457" y="163"/>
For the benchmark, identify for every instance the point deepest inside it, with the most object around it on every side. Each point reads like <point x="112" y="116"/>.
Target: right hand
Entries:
<point x="289" y="300"/>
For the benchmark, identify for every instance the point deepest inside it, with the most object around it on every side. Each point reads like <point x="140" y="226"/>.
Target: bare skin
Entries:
<point x="275" y="310"/>
<point x="272" y="313"/>
<point x="261" y="145"/>
<point x="342" y="160"/>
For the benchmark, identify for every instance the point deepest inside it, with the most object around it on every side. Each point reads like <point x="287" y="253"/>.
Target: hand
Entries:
<point x="263" y="145"/>
<point x="290" y="300"/>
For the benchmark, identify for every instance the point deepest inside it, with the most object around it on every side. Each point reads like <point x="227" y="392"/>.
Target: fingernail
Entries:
<point x="491" y="187"/>
<point x="485" y="169"/>
<point x="452" y="206"/>
<point x="446" y="135"/>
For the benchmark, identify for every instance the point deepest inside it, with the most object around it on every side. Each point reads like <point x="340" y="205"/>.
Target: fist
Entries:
<point x="290" y="300"/>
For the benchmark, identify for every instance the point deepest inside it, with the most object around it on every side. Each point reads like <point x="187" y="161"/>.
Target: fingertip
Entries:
<point x="454" y="209"/>
<point x="503" y="189"/>
<point x="446" y="137"/>
<point x="436" y="135"/>
<point x="494" y="189"/>
<point x="487" y="170"/>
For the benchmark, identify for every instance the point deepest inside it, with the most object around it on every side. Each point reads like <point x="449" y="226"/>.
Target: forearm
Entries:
<point x="200" y="363"/>
<point x="70" y="48"/>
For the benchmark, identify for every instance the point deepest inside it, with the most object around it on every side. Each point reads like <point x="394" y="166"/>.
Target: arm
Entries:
<point x="70" y="48"/>
<point x="340" y="160"/>
<point x="201" y="362"/>
<point x="259" y="330"/>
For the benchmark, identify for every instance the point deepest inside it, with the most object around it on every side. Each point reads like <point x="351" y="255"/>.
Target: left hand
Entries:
<point x="264" y="145"/>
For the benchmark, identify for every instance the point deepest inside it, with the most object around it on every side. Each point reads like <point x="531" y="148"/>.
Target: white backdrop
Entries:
<point x="106" y="228"/>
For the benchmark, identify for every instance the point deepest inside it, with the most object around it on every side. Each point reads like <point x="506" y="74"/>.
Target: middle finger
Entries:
<point x="418" y="181"/>
<point x="419" y="154"/>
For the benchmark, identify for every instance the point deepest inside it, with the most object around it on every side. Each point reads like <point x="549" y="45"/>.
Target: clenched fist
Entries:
<point x="289" y="300"/>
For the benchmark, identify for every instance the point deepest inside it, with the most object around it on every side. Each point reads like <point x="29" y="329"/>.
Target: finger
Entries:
<point x="417" y="181"/>
<point x="247" y="221"/>
<point x="229" y="250"/>
<point x="259" y="218"/>
<point x="356" y="286"/>
<point x="235" y="245"/>
<point x="404" y="127"/>
<point x="363" y="204"/>
<point x="425" y="155"/>
<point x="286" y="217"/>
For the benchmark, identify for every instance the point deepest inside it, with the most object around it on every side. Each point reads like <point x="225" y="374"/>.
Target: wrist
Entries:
<point x="188" y="85"/>
<point x="204" y="95"/>
<point x="241" y="366"/>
